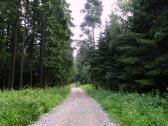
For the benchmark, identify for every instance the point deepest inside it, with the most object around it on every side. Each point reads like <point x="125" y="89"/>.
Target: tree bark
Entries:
<point x="23" y="45"/>
<point x="31" y="76"/>
<point x="9" y="72"/>
<point x="14" y="56"/>
<point x="42" y="55"/>
<point x="15" y="34"/>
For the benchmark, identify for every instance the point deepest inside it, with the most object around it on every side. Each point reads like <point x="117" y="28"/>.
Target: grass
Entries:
<point x="132" y="109"/>
<point x="20" y="108"/>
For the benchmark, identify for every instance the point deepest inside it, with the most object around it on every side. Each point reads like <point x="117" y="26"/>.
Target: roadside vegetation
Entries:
<point x="19" y="108"/>
<point x="132" y="109"/>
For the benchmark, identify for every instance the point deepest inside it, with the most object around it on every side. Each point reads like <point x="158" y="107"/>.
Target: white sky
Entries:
<point x="77" y="5"/>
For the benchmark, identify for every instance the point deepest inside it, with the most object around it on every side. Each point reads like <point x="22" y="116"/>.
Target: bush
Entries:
<point x="19" y="108"/>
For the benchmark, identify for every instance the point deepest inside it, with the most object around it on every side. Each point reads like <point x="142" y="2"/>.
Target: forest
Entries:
<point x="131" y="54"/>
<point x="117" y="77"/>
<point x="35" y="44"/>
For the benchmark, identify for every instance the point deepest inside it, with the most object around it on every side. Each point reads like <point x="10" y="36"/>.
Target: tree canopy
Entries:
<point x="132" y="53"/>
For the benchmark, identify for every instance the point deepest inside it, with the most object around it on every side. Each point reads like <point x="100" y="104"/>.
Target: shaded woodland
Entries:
<point x="132" y="53"/>
<point x="35" y="44"/>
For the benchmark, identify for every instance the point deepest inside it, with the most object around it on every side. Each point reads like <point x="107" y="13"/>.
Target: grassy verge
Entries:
<point x="132" y="109"/>
<point x="19" y="108"/>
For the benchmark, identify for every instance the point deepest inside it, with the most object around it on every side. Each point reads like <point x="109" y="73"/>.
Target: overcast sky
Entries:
<point x="77" y="5"/>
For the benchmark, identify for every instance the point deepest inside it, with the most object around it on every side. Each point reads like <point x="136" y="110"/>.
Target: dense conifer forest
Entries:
<point x="132" y="52"/>
<point x="35" y="44"/>
<point x="122" y="64"/>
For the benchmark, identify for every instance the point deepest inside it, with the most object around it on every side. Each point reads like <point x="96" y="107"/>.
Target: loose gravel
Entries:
<point x="77" y="110"/>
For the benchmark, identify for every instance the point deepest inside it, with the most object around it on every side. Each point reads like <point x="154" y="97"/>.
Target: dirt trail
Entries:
<point x="78" y="110"/>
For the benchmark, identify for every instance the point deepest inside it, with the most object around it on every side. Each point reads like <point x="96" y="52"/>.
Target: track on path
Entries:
<point x="77" y="110"/>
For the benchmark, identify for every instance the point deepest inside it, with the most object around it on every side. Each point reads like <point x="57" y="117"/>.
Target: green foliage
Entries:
<point x="82" y="63"/>
<point x="132" y="51"/>
<point x="87" y="87"/>
<point x="132" y="109"/>
<point x="20" y="108"/>
<point x="35" y="34"/>
<point x="59" y="58"/>
<point x="92" y="20"/>
<point x="93" y="10"/>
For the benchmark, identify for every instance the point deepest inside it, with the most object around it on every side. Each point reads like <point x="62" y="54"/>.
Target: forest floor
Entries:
<point x="77" y="110"/>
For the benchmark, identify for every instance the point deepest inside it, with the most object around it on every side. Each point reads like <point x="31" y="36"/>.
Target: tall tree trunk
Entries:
<point x="31" y="76"/>
<point x="31" y="58"/>
<point x="93" y="28"/>
<point x="21" y="66"/>
<point x="9" y="71"/>
<point x="22" y="60"/>
<point x="8" y="59"/>
<point x="15" y="34"/>
<point x="14" y="56"/>
<point x="41" y="63"/>
<point x="23" y="45"/>
<point x="31" y="53"/>
<point x="93" y="37"/>
<point x="42" y="56"/>
<point x="4" y="79"/>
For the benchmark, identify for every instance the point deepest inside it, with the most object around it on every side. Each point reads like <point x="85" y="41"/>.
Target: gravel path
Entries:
<point x="78" y="110"/>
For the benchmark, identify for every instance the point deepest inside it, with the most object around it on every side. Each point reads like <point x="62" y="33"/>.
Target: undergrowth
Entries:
<point x="132" y="109"/>
<point x="20" y="108"/>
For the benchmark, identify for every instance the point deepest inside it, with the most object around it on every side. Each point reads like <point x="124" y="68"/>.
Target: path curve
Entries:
<point x="77" y="110"/>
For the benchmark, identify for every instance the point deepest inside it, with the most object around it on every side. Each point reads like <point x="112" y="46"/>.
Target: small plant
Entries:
<point x="132" y="109"/>
<point x="19" y="108"/>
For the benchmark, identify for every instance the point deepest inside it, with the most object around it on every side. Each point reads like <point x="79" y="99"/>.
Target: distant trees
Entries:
<point x="92" y="20"/>
<point x="82" y="63"/>
<point x="93" y="11"/>
<point x="133" y="50"/>
<point x="35" y="45"/>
